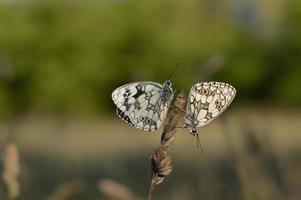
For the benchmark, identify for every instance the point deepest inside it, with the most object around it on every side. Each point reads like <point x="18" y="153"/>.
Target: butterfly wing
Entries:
<point x="140" y="104"/>
<point x="207" y="100"/>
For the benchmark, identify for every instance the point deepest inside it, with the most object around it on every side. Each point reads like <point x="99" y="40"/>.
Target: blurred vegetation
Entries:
<point x="249" y="154"/>
<point x="67" y="56"/>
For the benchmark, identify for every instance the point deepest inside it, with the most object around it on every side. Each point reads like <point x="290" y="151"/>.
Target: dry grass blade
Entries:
<point x="11" y="171"/>
<point x="161" y="162"/>
<point x="115" y="190"/>
<point x="67" y="190"/>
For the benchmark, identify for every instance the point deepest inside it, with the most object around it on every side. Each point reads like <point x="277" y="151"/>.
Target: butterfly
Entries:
<point x="206" y="101"/>
<point x="143" y="105"/>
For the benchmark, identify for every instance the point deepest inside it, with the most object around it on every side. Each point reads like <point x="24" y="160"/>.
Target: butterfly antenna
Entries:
<point x="198" y="142"/>
<point x="174" y="70"/>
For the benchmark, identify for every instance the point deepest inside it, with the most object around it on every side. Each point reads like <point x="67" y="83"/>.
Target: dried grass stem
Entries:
<point x="161" y="162"/>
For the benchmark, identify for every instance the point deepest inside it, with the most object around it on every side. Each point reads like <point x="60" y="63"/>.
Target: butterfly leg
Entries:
<point x="198" y="142"/>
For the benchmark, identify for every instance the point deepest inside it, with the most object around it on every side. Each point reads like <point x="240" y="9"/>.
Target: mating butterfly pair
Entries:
<point x="144" y="105"/>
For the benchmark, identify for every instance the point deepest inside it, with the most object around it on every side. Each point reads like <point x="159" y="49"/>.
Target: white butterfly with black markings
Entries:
<point x="206" y="101"/>
<point x="144" y="105"/>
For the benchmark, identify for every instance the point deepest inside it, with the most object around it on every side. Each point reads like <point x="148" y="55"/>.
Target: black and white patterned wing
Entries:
<point x="141" y="105"/>
<point x="207" y="100"/>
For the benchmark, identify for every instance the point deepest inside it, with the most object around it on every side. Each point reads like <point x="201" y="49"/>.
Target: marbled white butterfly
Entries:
<point x="144" y="105"/>
<point x="206" y="101"/>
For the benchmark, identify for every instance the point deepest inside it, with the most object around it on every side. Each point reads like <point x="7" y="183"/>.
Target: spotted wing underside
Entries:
<point x="207" y="100"/>
<point x="140" y="104"/>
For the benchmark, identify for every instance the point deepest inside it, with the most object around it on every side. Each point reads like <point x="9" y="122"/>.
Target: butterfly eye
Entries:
<point x="148" y="121"/>
<point x="168" y="82"/>
<point x="193" y="131"/>
<point x="137" y="104"/>
<point x="211" y="93"/>
<point x="219" y="107"/>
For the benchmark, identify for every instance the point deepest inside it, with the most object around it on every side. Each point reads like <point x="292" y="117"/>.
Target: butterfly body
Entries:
<point x="144" y="105"/>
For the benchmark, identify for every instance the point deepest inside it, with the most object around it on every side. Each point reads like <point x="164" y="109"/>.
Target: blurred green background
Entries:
<point x="60" y="61"/>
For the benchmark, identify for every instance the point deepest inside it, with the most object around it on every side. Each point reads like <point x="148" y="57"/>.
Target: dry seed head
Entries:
<point x="180" y="101"/>
<point x="174" y="117"/>
<point x="161" y="165"/>
<point x="11" y="171"/>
